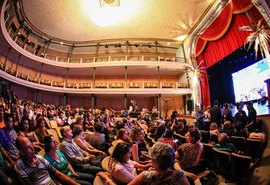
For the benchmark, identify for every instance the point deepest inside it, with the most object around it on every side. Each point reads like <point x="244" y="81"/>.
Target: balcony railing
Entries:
<point x="97" y="85"/>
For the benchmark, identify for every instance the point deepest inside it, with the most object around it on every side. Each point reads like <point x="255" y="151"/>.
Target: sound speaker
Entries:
<point x="190" y="105"/>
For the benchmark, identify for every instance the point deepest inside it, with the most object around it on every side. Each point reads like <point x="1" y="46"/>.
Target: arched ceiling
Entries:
<point x="80" y="20"/>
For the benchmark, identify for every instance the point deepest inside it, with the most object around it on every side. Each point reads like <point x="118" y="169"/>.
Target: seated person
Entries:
<point x="34" y="169"/>
<point x="6" y="166"/>
<point x="97" y="138"/>
<point x="223" y="144"/>
<point x="8" y="139"/>
<point x="58" y="160"/>
<point x="168" y="139"/>
<point x="82" y="143"/>
<point x="163" y="159"/>
<point x="122" y="135"/>
<point x="189" y="154"/>
<point x="136" y="136"/>
<point x="41" y="130"/>
<point x="228" y="129"/>
<point x="214" y="133"/>
<point x="79" y="159"/>
<point x="121" y="167"/>
<point x="24" y="131"/>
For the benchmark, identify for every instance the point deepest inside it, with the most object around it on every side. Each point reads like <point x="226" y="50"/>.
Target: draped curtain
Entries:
<point x="223" y="37"/>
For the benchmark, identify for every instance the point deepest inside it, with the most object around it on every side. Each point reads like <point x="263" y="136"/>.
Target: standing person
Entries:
<point x="207" y="119"/>
<point x="174" y="115"/>
<point x="215" y="113"/>
<point x="199" y="117"/>
<point x="252" y="114"/>
<point x="240" y="120"/>
<point x="227" y="113"/>
<point x="34" y="169"/>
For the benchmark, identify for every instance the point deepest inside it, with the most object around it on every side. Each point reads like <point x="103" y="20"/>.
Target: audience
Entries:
<point x="34" y="169"/>
<point x="76" y="159"/>
<point x="163" y="159"/>
<point x="58" y="160"/>
<point x="82" y="143"/>
<point x="81" y="160"/>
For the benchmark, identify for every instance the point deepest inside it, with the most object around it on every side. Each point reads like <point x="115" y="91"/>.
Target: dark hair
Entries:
<point x="98" y="127"/>
<point x="195" y="133"/>
<point x="47" y="142"/>
<point x="160" y="131"/>
<point x="225" y="105"/>
<point x="120" y="151"/>
<point x="21" y="123"/>
<point x="215" y="102"/>
<point x="168" y="134"/>
<point x="41" y="118"/>
<point x="120" y="133"/>
<point x="77" y="129"/>
<point x="134" y="132"/>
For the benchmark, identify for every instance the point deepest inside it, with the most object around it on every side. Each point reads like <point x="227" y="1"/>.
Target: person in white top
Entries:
<point x="121" y="167"/>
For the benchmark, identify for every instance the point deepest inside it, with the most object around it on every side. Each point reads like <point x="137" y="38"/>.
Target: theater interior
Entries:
<point x="110" y="54"/>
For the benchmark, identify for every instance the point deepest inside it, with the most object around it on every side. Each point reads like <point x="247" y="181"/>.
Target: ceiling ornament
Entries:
<point x="109" y="3"/>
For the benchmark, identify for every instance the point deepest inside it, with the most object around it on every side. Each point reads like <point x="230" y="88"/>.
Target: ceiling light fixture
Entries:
<point x="109" y="3"/>
<point x="110" y="12"/>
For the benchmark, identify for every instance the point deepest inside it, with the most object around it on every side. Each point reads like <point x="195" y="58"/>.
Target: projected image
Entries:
<point x="249" y="82"/>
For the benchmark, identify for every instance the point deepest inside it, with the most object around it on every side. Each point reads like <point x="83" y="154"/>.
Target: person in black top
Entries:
<point x="227" y="113"/>
<point x="240" y="120"/>
<point x="215" y="113"/>
<point x="251" y="124"/>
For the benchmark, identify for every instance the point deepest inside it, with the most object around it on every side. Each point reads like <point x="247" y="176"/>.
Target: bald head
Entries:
<point x="25" y="146"/>
<point x="222" y="138"/>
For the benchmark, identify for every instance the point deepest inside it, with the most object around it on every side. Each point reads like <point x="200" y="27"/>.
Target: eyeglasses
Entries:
<point x="54" y="142"/>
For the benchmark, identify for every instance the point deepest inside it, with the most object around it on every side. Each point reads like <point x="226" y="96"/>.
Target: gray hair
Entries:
<point x="163" y="155"/>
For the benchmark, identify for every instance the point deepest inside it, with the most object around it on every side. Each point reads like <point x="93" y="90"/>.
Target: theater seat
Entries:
<point x="208" y="155"/>
<point x="105" y="163"/>
<point x="222" y="161"/>
<point x="239" y="142"/>
<point x="182" y="139"/>
<point x="241" y="168"/>
<point x="253" y="148"/>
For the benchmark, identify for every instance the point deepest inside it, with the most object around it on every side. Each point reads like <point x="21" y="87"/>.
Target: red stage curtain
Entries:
<point x="232" y="40"/>
<point x="241" y="6"/>
<point x="219" y="27"/>
<point x="200" y="46"/>
<point x="219" y="40"/>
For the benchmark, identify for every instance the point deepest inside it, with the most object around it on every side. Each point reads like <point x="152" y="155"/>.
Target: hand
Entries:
<point x="103" y="153"/>
<point x="149" y="165"/>
<point x="103" y="175"/>
<point x="91" y="157"/>
<point x="74" y="174"/>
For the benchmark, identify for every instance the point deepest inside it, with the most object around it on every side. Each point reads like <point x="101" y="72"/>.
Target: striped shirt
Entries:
<point x="38" y="174"/>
